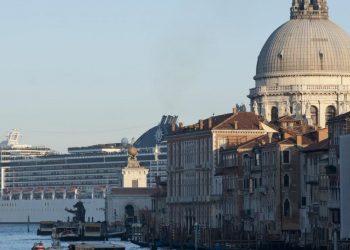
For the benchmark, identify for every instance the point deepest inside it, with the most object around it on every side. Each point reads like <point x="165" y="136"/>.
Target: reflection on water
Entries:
<point x="17" y="237"/>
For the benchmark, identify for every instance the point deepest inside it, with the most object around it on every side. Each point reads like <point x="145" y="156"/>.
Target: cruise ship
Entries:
<point x="38" y="184"/>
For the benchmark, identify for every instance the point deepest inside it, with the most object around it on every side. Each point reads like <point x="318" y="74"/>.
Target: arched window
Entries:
<point x="286" y="181"/>
<point x="286" y="208"/>
<point x="274" y="114"/>
<point x="330" y="113"/>
<point x="314" y="115"/>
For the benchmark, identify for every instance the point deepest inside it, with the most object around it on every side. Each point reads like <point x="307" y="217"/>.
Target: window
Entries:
<point x="330" y="113"/>
<point x="257" y="159"/>
<point x="314" y="115"/>
<point x="286" y="157"/>
<point x="286" y="181"/>
<point x="303" y="201"/>
<point x="274" y="114"/>
<point x="286" y="208"/>
<point x="135" y="183"/>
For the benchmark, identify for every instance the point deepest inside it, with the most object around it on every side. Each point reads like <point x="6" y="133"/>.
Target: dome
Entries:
<point x="305" y="46"/>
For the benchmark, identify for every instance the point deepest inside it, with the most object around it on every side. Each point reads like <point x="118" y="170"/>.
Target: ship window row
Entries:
<point x="11" y="171"/>
<point x="66" y="177"/>
<point x="80" y="166"/>
<point x="102" y="159"/>
<point x="61" y="172"/>
<point x="69" y="166"/>
<point x="64" y="183"/>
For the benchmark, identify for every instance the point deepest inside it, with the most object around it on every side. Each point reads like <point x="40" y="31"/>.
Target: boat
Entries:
<point x="93" y="231"/>
<point x="45" y="182"/>
<point x="66" y="232"/>
<point x="45" y="227"/>
<point x="38" y="246"/>
<point x="95" y="246"/>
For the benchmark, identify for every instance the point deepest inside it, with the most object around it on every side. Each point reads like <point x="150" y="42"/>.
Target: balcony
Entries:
<point x="297" y="88"/>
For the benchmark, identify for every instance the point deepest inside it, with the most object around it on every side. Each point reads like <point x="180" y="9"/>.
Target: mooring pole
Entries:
<point x="28" y="223"/>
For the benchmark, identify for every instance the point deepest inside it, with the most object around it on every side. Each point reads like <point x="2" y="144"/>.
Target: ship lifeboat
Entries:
<point x="60" y="190"/>
<point x="27" y="190"/>
<point x="38" y="190"/>
<point x="38" y="246"/>
<point x="16" y="190"/>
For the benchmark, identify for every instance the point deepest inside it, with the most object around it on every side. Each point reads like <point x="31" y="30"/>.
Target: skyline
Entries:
<point x="67" y="73"/>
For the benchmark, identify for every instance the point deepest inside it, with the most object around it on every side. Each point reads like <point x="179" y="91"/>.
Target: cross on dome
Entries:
<point x="309" y="9"/>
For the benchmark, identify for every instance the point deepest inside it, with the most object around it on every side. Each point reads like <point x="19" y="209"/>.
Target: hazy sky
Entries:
<point x="80" y="72"/>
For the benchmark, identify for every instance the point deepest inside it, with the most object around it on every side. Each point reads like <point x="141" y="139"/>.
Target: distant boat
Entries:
<point x="45" y="227"/>
<point x="38" y="246"/>
<point x="95" y="246"/>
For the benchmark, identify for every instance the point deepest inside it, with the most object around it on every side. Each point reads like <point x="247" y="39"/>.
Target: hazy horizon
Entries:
<point x="77" y="73"/>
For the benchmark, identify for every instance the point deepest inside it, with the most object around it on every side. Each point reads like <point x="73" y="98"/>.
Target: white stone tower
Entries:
<point x="134" y="176"/>
<point x="303" y="69"/>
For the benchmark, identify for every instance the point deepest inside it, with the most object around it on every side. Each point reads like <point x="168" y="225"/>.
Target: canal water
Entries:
<point x="17" y="237"/>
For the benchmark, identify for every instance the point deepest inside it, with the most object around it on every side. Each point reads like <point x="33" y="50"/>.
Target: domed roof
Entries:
<point x="305" y="46"/>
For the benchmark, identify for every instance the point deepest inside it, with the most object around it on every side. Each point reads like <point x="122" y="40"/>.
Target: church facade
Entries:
<point x="303" y="69"/>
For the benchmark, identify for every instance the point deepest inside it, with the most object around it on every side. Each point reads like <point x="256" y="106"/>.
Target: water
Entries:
<point x="16" y="237"/>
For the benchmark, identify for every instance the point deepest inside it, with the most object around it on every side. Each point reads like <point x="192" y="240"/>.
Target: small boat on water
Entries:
<point x="38" y="246"/>
<point x="45" y="227"/>
<point x="95" y="246"/>
<point x="79" y="231"/>
<point x="93" y="231"/>
<point x="66" y="232"/>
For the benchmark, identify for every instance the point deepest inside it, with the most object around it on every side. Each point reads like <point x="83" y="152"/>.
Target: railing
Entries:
<point x="298" y="88"/>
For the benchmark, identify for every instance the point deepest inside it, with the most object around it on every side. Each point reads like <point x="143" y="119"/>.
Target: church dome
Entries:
<point x="305" y="45"/>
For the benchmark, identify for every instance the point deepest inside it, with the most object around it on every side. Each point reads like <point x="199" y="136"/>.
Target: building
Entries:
<point x="345" y="185"/>
<point x="304" y="68"/>
<point x="135" y="206"/>
<point x="194" y="188"/>
<point x="262" y="183"/>
<point x="134" y="176"/>
<point x="317" y="201"/>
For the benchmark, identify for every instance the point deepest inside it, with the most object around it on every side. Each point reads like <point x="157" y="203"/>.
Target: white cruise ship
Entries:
<point x="38" y="184"/>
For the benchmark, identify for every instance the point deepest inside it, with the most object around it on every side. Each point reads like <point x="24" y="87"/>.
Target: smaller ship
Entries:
<point x="38" y="246"/>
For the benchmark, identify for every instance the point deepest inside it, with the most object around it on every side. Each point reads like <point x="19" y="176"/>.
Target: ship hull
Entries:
<point x="34" y="211"/>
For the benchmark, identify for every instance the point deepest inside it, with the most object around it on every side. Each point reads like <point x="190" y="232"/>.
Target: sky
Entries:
<point x="82" y="72"/>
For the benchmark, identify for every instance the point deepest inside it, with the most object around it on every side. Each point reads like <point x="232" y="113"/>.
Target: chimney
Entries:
<point x="270" y="135"/>
<point x="181" y="125"/>
<point x="234" y="110"/>
<point x="299" y="140"/>
<point x="210" y="123"/>
<point x="322" y="134"/>
<point x="235" y="125"/>
<point x="201" y="125"/>
<point x="173" y="127"/>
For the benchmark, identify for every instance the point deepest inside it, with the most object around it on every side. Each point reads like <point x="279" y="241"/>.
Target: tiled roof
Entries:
<point x="321" y="146"/>
<point x="132" y="191"/>
<point x="340" y="117"/>
<point x="243" y="121"/>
